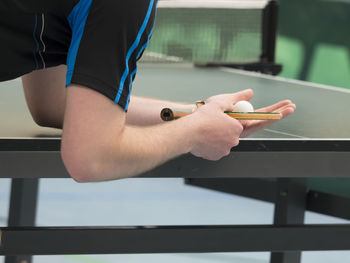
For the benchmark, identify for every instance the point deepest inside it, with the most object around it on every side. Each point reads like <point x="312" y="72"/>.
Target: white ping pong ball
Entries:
<point x="243" y="106"/>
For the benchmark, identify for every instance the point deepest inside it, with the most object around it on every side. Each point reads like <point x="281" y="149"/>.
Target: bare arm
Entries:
<point x="45" y="94"/>
<point x="98" y="145"/>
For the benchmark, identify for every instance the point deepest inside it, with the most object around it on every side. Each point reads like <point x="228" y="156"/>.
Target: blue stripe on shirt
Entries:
<point x="131" y="76"/>
<point x="77" y="20"/>
<point x="132" y="49"/>
<point x="134" y="72"/>
<point x="149" y="37"/>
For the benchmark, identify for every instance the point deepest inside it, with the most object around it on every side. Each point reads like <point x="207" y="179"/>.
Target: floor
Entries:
<point x="62" y="202"/>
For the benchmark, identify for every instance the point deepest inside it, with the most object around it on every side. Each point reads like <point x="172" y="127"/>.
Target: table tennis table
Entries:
<point x="301" y="163"/>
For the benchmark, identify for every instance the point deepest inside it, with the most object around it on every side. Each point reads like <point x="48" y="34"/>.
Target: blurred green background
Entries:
<point x="314" y="41"/>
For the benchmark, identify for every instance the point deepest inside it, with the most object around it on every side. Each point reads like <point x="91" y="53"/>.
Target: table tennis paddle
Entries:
<point x="168" y="114"/>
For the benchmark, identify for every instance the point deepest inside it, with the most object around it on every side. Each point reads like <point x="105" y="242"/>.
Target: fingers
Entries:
<point x="275" y="107"/>
<point x="285" y="107"/>
<point x="287" y="111"/>
<point x="227" y="101"/>
<point x="246" y="94"/>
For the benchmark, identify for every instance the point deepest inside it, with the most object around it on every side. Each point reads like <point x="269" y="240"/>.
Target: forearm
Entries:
<point x="139" y="149"/>
<point x="146" y="111"/>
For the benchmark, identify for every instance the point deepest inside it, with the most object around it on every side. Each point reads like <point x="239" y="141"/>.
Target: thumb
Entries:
<point x="246" y="94"/>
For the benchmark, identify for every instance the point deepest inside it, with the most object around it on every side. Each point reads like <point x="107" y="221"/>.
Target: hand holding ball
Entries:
<point x="243" y="106"/>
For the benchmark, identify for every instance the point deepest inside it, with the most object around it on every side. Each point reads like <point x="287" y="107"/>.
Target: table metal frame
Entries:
<point x="286" y="238"/>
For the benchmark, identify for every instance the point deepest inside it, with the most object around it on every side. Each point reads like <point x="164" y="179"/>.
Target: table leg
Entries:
<point x="22" y="212"/>
<point x="290" y="208"/>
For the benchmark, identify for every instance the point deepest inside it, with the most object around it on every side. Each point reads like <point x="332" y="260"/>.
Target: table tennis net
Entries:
<point x="226" y="31"/>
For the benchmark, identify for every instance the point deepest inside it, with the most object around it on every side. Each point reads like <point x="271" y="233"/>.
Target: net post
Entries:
<point x="269" y="30"/>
